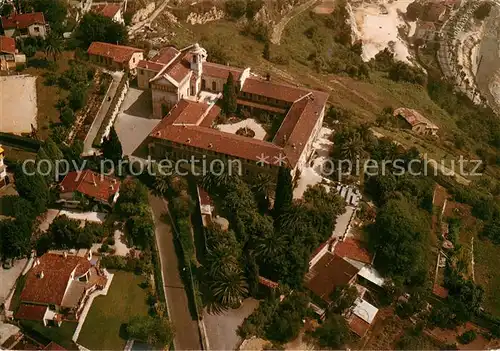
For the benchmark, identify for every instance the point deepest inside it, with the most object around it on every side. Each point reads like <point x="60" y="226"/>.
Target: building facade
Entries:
<point x="116" y="57"/>
<point x="25" y="25"/>
<point x="185" y="90"/>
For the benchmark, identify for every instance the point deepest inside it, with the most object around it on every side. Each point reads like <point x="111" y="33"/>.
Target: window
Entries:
<point x="203" y="84"/>
<point x="214" y="85"/>
<point x="37" y="29"/>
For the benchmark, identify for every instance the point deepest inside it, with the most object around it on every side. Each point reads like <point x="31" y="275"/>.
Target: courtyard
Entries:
<point x="134" y="122"/>
<point x="105" y="325"/>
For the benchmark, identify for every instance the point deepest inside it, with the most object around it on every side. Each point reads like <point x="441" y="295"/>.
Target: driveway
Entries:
<point x="187" y="335"/>
<point x="103" y="110"/>
<point x="221" y="328"/>
<point x="133" y="123"/>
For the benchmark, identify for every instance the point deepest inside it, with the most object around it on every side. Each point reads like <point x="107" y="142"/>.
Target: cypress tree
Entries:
<point x="284" y="191"/>
<point x="229" y="98"/>
<point x="112" y="147"/>
<point x="266" y="53"/>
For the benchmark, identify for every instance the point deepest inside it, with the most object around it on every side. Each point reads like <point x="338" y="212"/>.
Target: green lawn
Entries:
<point x="104" y="328"/>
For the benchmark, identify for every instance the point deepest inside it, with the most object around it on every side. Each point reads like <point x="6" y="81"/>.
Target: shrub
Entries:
<point x="110" y="241"/>
<point x="467" y="337"/>
<point x="104" y="248"/>
<point x="67" y="116"/>
<point x="114" y="262"/>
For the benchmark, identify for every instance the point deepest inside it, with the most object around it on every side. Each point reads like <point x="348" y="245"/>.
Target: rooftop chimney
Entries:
<point x="268" y="77"/>
<point x="40" y="275"/>
<point x="65" y="254"/>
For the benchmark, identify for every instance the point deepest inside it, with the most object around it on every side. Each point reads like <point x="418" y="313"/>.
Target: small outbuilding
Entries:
<point x="409" y="118"/>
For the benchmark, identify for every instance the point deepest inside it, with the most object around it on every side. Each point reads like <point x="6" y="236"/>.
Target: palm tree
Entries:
<point x="270" y="245"/>
<point x="53" y="46"/>
<point x="352" y="147"/>
<point x="220" y="259"/>
<point x="229" y="288"/>
<point x="161" y="184"/>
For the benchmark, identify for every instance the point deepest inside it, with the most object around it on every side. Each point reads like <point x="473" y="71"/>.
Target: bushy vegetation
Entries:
<point x="275" y="321"/>
<point x="134" y="208"/>
<point x="95" y="27"/>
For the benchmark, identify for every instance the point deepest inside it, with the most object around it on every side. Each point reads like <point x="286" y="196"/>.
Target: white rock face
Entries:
<point x="143" y="13"/>
<point x="213" y="14"/>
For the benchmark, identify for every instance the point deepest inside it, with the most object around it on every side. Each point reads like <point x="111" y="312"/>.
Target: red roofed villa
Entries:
<point x="24" y="25"/>
<point x="185" y="89"/>
<point x="119" y="57"/>
<point x="112" y="10"/>
<point x="9" y="58"/>
<point x="57" y="287"/>
<point x="79" y="186"/>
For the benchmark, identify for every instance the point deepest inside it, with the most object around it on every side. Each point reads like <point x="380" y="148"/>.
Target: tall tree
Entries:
<point x="156" y="331"/>
<point x="112" y="147"/>
<point x="284" y="191"/>
<point x="333" y="333"/>
<point x="229" y="96"/>
<point x="266" y="53"/>
<point x="95" y="27"/>
<point x="54" y="12"/>
<point x="32" y="187"/>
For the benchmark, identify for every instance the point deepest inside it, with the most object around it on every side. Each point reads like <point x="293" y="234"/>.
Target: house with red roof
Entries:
<point x="9" y="56"/>
<point x="24" y="25"/>
<point x="117" y="57"/>
<point x="110" y="10"/>
<point x="58" y="286"/>
<point x="80" y="188"/>
<point x="412" y="119"/>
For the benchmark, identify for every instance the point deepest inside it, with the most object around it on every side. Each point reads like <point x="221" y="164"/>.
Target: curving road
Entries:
<point x="280" y="27"/>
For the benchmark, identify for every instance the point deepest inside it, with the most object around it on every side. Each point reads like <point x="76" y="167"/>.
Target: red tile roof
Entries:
<point x="7" y="45"/>
<point x="358" y="326"/>
<point x="292" y="117"/>
<point x="118" y="53"/>
<point x="92" y="184"/>
<point x="54" y="347"/>
<point x="353" y="249"/>
<point x="188" y="113"/>
<point x="330" y="271"/>
<point x="413" y="117"/>
<point x="22" y="20"/>
<point x="210" y="118"/>
<point x="31" y="312"/>
<point x="440" y="291"/>
<point x="213" y="139"/>
<point x="180" y="68"/>
<point x="106" y="10"/>
<point x="152" y="66"/>
<point x="215" y="70"/>
<point x="268" y="282"/>
<point x="57" y="270"/>
<point x="166" y="55"/>
<point x="161" y="60"/>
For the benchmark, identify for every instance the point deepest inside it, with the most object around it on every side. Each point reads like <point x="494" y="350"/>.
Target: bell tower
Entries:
<point x="199" y="56"/>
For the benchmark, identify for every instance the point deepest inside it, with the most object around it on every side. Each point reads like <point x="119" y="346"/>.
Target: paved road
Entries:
<point x="187" y="335"/>
<point x="103" y="110"/>
<point x="134" y="28"/>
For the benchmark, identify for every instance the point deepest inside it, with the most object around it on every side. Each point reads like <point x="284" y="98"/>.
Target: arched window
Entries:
<point x="214" y="85"/>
